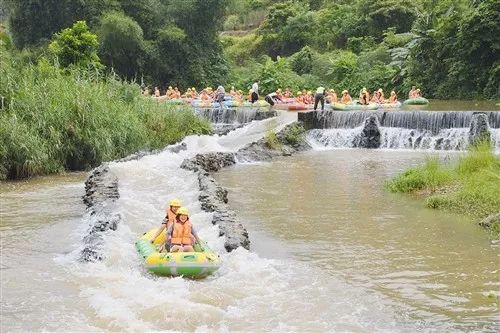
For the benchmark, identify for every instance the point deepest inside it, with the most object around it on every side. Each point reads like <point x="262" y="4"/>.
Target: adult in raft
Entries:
<point x="254" y="96"/>
<point x="346" y="98"/>
<point x="319" y="97"/>
<point x="170" y="215"/>
<point x="181" y="234"/>
<point x="394" y="98"/>
<point x="331" y="97"/>
<point x="413" y="92"/>
<point x="364" y="97"/>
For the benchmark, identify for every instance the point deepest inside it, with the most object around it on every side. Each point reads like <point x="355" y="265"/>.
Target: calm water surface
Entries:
<point x="329" y="209"/>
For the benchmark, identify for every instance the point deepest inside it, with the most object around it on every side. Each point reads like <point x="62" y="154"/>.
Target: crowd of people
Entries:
<point x="286" y="96"/>
<point x="180" y="232"/>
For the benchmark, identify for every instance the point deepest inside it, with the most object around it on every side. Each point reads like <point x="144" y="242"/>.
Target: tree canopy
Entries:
<point x="449" y="48"/>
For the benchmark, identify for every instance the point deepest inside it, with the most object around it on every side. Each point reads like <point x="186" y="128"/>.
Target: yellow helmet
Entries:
<point x="183" y="211"/>
<point x="344" y="92"/>
<point x="175" y="203"/>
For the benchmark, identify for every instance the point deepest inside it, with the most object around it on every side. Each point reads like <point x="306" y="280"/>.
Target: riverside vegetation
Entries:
<point x="54" y="119"/>
<point x="471" y="187"/>
<point x="449" y="48"/>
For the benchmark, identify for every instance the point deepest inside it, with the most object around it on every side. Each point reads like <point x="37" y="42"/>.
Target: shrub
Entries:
<point x="293" y="135"/>
<point x="75" y="46"/>
<point x="430" y="176"/>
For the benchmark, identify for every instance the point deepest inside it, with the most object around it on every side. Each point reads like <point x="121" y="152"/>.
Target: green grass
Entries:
<point x="430" y="176"/>
<point x="471" y="187"/>
<point x="271" y="140"/>
<point x="52" y="120"/>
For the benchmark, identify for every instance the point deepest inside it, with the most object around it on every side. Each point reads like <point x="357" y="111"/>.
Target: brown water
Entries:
<point x="329" y="209"/>
<point x="331" y="251"/>
<point x="458" y="105"/>
<point x="37" y="219"/>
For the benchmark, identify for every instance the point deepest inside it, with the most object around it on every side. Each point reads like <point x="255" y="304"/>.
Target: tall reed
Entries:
<point x="53" y="120"/>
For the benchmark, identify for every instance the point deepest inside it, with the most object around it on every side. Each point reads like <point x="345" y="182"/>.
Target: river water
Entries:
<point x="331" y="250"/>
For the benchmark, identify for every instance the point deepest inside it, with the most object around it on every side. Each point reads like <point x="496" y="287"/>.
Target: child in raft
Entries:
<point x="181" y="235"/>
<point x="412" y="93"/>
<point x="238" y="97"/>
<point x="204" y="96"/>
<point x="378" y="97"/>
<point x="170" y="215"/>
<point x="331" y="97"/>
<point x="364" y="97"/>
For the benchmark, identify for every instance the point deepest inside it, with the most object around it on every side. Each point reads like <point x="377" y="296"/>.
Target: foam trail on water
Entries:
<point x="284" y="295"/>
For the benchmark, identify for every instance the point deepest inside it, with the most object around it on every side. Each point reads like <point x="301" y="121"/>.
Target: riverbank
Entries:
<point x="53" y="120"/>
<point x="470" y="187"/>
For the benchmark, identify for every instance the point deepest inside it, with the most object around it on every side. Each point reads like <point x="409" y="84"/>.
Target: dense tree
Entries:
<point x="121" y="44"/>
<point x="447" y="47"/>
<point x="35" y="21"/>
<point x="75" y="46"/>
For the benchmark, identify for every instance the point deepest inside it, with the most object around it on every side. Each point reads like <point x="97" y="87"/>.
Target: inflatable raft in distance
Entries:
<point x="353" y="106"/>
<point x="416" y="101"/>
<point x="200" y="263"/>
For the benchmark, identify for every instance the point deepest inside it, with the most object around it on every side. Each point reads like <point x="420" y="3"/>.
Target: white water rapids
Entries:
<point x="250" y="293"/>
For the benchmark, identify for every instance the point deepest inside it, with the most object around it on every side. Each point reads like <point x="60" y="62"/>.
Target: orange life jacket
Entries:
<point x="181" y="233"/>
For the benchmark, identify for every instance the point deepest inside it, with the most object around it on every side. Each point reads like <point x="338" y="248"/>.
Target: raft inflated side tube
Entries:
<point x="353" y="106"/>
<point x="299" y="107"/>
<point x="232" y="103"/>
<point x="256" y="104"/>
<point x="390" y="105"/>
<point x="204" y="104"/>
<point x="416" y="101"/>
<point x="200" y="263"/>
<point x="177" y="101"/>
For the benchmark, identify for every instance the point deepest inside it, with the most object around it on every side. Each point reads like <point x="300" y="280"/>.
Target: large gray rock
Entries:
<point x="370" y="135"/>
<point x="210" y="162"/>
<point x="479" y="128"/>
<point x="213" y="198"/>
<point x="289" y="140"/>
<point x="101" y="192"/>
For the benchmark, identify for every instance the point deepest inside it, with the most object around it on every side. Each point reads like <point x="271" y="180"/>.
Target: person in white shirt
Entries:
<point x="255" y="92"/>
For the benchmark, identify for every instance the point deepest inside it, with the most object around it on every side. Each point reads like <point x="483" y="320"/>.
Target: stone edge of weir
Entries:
<point x="101" y="193"/>
<point x="370" y="136"/>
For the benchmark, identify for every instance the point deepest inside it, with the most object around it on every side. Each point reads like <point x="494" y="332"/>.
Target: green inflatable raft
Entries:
<point x="416" y="101"/>
<point x="200" y="263"/>
<point x="353" y="106"/>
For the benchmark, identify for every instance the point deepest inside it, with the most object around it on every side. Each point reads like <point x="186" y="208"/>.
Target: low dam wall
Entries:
<point x="439" y="130"/>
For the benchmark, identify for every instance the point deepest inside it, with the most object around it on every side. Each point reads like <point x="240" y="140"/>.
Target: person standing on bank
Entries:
<point x="320" y="97"/>
<point x="255" y="92"/>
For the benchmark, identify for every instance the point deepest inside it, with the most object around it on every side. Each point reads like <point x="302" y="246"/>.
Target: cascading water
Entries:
<point x="249" y="293"/>
<point x="219" y="115"/>
<point x="226" y="119"/>
<point x="125" y="297"/>
<point x="398" y="130"/>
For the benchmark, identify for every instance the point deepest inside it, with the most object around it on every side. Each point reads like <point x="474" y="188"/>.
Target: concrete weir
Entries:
<point x="419" y="125"/>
